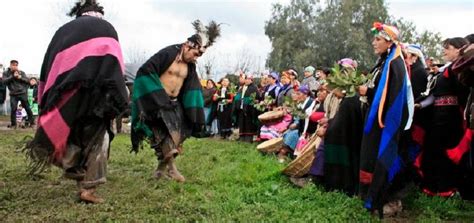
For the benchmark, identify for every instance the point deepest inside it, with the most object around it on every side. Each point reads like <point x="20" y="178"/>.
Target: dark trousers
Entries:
<point x="14" y="105"/>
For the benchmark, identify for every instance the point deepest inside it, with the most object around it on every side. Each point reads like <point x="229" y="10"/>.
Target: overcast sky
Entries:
<point x="149" y="25"/>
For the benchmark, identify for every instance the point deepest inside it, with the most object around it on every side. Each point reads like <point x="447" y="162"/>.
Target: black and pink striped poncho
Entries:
<point x="81" y="79"/>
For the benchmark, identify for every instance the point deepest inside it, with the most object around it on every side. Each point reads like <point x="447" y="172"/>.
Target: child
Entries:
<point x="20" y="116"/>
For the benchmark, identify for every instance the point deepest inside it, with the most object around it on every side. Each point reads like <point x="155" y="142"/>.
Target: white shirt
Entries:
<point x="308" y="112"/>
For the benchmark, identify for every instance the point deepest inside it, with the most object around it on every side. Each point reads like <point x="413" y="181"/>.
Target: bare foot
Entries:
<point x="176" y="175"/>
<point x="88" y="195"/>
<point x="392" y="208"/>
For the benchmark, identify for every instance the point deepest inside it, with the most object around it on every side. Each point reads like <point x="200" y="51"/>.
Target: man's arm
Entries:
<point x="7" y="78"/>
<point x="23" y="77"/>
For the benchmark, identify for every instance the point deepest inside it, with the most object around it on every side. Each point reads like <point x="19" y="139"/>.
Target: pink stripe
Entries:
<point x="57" y="131"/>
<point x="55" y="127"/>
<point x="70" y="57"/>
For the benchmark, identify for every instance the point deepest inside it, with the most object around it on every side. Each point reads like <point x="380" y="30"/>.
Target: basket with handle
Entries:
<point x="301" y="165"/>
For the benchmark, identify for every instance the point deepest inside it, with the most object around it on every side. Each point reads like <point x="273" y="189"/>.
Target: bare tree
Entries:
<point x="135" y="54"/>
<point x="217" y="64"/>
<point x="248" y="60"/>
<point x="207" y="65"/>
<point x="245" y="60"/>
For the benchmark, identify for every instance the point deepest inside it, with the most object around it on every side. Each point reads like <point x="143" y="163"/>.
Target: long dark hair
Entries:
<point x="470" y="38"/>
<point x="456" y="42"/>
<point x="222" y="79"/>
<point x="87" y="6"/>
<point x="213" y="83"/>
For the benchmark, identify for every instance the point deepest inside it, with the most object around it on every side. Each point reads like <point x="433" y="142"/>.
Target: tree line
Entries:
<point x="309" y="32"/>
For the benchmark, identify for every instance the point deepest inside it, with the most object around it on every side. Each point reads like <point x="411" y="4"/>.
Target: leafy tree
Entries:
<point x="304" y="33"/>
<point x="430" y="41"/>
<point x="344" y="31"/>
<point x="291" y="31"/>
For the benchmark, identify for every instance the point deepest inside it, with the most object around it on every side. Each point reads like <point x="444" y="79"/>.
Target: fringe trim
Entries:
<point x="39" y="157"/>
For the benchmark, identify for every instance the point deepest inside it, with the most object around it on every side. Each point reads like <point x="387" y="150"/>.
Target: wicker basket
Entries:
<point x="300" y="166"/>
<point x="270" y="146"/>
<point x="271" y="117"/>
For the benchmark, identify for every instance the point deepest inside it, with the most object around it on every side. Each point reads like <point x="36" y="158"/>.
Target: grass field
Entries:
<point x="226" y="181"/>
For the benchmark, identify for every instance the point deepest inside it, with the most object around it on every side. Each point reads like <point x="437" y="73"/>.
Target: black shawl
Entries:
<point x="81" y="79"/>
<point x="149" y="95"/>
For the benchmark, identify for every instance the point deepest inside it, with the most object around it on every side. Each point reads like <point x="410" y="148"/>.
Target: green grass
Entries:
<point x="226" y="181"/>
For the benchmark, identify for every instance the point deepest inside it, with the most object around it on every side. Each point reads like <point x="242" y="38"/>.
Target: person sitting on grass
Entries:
<point x="298" y="127"/>
<point x="276" y="129"/>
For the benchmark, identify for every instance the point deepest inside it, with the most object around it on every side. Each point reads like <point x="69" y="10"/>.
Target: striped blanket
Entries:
<point x="81" y="79"/>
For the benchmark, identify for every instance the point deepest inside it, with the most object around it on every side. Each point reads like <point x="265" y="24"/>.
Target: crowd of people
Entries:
<point x="409" y="124"/>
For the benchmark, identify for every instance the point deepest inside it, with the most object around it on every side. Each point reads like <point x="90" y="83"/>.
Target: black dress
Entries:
<point x="224" y="112"/>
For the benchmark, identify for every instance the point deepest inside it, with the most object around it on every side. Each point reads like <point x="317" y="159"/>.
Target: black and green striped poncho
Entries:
<point x="149" y="96"/>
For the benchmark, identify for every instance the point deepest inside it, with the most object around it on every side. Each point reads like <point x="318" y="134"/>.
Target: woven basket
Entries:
<point x="271" y="117"/>
<point x="270" y="146"/>
<point x="300" y="166"/>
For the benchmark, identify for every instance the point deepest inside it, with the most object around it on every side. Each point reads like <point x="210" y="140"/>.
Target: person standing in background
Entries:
<point x="17" y="84"/>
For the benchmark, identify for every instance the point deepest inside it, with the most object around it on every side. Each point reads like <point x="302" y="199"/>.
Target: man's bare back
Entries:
<point x="173" y="78"/>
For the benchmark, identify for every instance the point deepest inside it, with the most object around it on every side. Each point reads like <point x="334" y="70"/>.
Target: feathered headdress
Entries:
<point x="84" y="6"/>
<point x="205" y="35"/>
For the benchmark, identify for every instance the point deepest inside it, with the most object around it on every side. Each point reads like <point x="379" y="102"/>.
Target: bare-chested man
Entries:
<point x="167" y="99"/>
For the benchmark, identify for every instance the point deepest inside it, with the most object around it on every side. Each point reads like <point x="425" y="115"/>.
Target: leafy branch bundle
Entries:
<point x="346" y="80"/>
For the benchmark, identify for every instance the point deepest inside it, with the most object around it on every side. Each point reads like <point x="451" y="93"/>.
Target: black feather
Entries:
<point x="213" y="31"/>
<point x="89" y="5"/>
<point x="197" y="26"/>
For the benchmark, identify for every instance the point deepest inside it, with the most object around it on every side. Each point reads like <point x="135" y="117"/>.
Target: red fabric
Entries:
<point x="316" y="116"/>
<point x="441" y="194"/>
<point x="418" y="134"/>
<point x="446" y="73"/>
<point x="417" y="163"/>
<point x="300" y="145"/>
<point x="365" y="177"/>
<point x="455" y="154"/>
<point x="446" y="100"/>
<point x="214" y="95"/>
